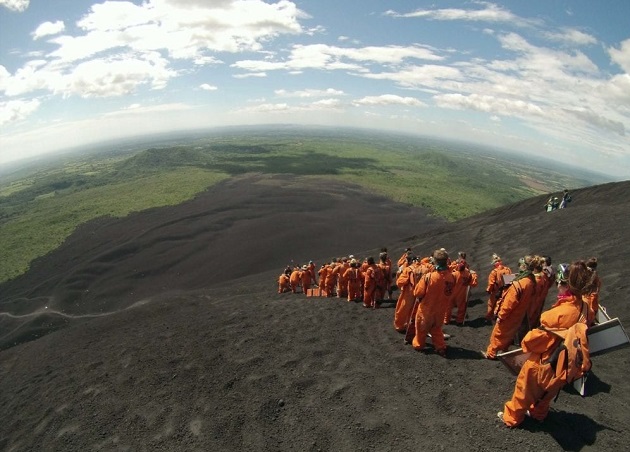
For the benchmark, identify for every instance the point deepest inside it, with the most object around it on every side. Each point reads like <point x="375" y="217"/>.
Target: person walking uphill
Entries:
<point x="434" y="293"/>
<point x="538" y="382"/>
<point x="513" y="307"/>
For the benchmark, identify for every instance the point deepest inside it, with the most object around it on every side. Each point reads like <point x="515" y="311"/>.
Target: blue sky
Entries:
<point x="548" y="78"/>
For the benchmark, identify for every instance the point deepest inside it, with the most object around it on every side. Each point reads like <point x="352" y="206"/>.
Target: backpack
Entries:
<point x="571" y="358"/>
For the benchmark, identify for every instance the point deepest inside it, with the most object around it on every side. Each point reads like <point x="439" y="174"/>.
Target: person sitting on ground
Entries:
<point x="537" y="384"/>
<point x="434" y="291"/>
<point x="513" y="307"/>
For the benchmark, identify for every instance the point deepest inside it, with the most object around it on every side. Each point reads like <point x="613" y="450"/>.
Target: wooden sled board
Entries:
<point x="314" y="292"/>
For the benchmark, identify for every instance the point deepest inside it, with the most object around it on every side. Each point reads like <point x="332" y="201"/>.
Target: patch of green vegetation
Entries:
<point x="49" y="221"/>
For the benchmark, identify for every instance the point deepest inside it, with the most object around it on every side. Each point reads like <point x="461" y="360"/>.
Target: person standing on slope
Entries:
<point x="353" y="277"/>
<point x="513" y="306"/>
<point x="495" y="284"/>
<point x="592" y="296"/>
<point x="370" y="281"/>
<point x="404" y="305"/>
<point x="434" y="292"/>
<point x="537" y="383"/>
<point x="459" y="300"/>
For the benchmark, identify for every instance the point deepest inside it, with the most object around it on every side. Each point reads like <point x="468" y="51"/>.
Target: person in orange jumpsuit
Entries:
<point x="331" y="278"/>
<point x="342" y="282"/>
<point x="404" y="305"/>
<point x="592" y="297"/>
<point x="311" y="270"/>
<point x="536" y="385"/>
<point x="434" y="292"/>
<point x="513" y="307"/>
<point x="353" y="278"/>
<point x="306" y="278"/>
<point x="543" y="283"/>
<point x="283" y="283"/>
<point x="459" y="299"/>
<point x="495" y="284"/>
<point x="402" y="260"/>
<point x="295" y="279"/>
<point x="384" y="279"/>
<point x="370" y="279"/>
<point x="323" y="272"/>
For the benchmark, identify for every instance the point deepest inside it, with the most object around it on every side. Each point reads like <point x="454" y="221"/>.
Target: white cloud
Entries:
<point x="15" y="5"/>
<point x="251" y="74"/>
<point x="17" y="110"/>
<point x="490" y="13"/>
<point x="207" y="87"/>
<point x="621" y="56"/>
<point x="139" y="110"/>
<point x="48" y="29"/>
<point x="307" y="93"/>
<point x="488" y="104"/>
<point x="571" y="36"/>
<point x="389" y="99"/>
<point x="590" y="117"/>
<point x="325" y="57"/>
<point x="117" y="76"/>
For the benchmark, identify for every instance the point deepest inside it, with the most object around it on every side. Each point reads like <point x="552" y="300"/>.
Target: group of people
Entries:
<point x="432" y="287"/>
<point x="554" y="203"/>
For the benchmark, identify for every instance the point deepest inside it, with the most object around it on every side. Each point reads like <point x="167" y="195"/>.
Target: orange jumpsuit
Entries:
<point x="543" y="283"/>
<point x="307" y="279"/>
<point x="322" y="277"/>
<point x="535" y="386"/>
<point x="311" y="269"/>
<point x="495" y="284"/>
<point x="369" y="285"/>
<point x="511" y="311"/>
<point x="434" y="291"/>
<point x="283" y="283"/>
<point x="331" y="280"/>
<point x="460" y="296"/>
<point x="404" y="305"/>
<point x="295" y="280"/>
<point x="353" y="277"/>
<point x="383" y="281"/>
<point x="593" y="298"/>
<point x="342" y="282"/>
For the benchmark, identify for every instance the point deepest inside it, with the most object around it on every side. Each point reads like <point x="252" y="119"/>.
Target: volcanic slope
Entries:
<point x="164" y="330"/>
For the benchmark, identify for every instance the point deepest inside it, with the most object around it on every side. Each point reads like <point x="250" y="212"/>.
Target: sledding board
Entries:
<point x="513" y="360"/>
<point x="607" y="336"/>
<point x="602" y="338"/>
<point x="507" y="279"/>
<point x="601" y="316"/>
<point x="317" y="292"/>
